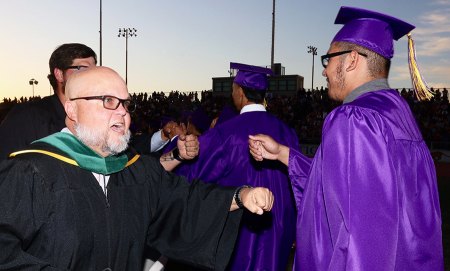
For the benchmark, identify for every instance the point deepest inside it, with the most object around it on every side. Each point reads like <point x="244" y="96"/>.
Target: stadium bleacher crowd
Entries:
<point x="304" y="111"/>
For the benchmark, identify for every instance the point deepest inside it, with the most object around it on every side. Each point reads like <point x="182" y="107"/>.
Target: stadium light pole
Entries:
<point x="272" y="52"/>
<point x="126" y="32"/>
<point x="32" y="83"/>
<point x="100" y="32"/>
<point x="312" y="50"/>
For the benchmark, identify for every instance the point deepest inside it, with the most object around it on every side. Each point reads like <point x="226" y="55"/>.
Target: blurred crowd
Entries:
<point x="305" y="111"/>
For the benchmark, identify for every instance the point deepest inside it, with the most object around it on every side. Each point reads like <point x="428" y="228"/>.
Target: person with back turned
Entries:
<point x="264" y="242"/>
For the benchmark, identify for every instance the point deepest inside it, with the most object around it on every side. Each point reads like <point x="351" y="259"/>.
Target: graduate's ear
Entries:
<point x="71" y="110"/>
<point x="241" y="92"/>
<point x="59" y="75"/>
<point x="242" y="96"/>
<point x="353" y="61"/>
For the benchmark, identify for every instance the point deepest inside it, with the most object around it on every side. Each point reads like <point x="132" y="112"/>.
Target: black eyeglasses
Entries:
<point x="80" y="67"/>
<point x="326" y="58"/>
<point x="111" y="102"/>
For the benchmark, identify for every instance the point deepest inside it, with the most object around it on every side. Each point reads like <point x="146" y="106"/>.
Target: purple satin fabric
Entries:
<point x="251" y="80"/>
<point x="250" y="76"/>
<point x="369" y="33"/>
<point x="170" y="146"/>
<point x="371" y="199"/>
<point x="372" y="30"/>
<point x="264" y="242"/>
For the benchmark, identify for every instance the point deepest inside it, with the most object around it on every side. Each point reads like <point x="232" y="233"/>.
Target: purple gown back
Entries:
<point x="264" y="242"/>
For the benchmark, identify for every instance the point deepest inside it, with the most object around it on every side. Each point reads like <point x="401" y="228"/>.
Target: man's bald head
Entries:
<point x="93" y="81"/>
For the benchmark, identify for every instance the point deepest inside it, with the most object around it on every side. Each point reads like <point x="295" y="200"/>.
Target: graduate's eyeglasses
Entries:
<point x="326" y="58"/>
<point x="111" y="102"/>
<point x="78" y="68"/>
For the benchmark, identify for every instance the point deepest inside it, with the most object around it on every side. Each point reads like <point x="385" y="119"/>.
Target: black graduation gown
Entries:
<point x="30" y="121"/>
<point x="55" y="216"/>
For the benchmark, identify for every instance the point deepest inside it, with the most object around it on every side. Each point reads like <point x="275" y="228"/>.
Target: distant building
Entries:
<point x="279" y="83"/>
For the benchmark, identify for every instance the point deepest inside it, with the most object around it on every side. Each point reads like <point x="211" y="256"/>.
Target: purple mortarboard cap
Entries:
<point x="253" y="77"/>
<point x="227" y="113"/>
<point x="201" y="120"/>
<point x="185" y="116"/>
<point x="372" y="30"/>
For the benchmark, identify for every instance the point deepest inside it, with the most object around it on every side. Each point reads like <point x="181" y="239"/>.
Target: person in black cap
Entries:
<point x="264" y="242"/>
<point x="369" y="199"/>
<point x="35" y="119"/>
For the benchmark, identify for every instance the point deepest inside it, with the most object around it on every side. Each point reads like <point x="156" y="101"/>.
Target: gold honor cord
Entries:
<point x="134" y="159"/>
<point x="420" y="86"/>
<point x="63" y="158"/>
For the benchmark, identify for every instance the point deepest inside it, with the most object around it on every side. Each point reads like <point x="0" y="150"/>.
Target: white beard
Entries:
<point x="96" y="138"/>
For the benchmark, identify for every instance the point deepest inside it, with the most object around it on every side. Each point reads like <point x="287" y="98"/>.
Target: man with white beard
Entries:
<point x="79" y="200"/>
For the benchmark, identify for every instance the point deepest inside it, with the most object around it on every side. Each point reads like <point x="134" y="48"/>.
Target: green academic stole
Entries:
<point x="81" y="155"/>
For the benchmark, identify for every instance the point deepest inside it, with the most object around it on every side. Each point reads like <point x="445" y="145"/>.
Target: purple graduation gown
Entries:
<point x="264" y="242"/>
<point x="371" y="199"/>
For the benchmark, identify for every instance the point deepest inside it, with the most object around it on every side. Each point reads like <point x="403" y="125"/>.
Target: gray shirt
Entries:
<point x="374" y="85"/>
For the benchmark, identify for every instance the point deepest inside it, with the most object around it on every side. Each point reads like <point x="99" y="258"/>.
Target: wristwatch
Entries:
<point x="176" y="155"/>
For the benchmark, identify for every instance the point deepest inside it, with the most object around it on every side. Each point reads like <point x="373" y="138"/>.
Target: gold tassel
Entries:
<point x="421" y="88"/>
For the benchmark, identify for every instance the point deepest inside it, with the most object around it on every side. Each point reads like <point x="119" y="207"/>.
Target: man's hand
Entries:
<point x="265" y="147"/>
<point x="188" y="146"/>
<point x="257" y="200"/>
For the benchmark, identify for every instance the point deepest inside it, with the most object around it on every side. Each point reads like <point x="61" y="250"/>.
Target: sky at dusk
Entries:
<point x="181" y="45"/>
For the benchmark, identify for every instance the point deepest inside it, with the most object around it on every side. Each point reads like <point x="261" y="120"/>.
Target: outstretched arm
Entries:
<point x="187" y="149"/>
<point x="255" y="199"/>
<point x="265" y="147"/>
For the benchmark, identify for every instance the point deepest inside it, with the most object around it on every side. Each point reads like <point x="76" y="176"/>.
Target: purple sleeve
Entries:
<point x="299" y="167"/>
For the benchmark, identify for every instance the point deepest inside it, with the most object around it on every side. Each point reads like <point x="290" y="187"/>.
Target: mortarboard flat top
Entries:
<point x="253" y="77"/>
<point x="372" y="30"/>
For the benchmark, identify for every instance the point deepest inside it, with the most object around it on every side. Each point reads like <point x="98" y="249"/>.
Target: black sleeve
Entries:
<point x="21" y="216"/>
<point x="193" y="223"/>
